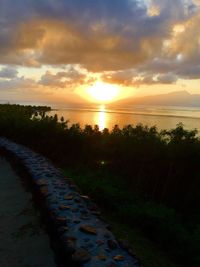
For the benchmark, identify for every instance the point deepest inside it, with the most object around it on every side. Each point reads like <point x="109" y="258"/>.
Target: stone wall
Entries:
<point x="83" y="235"/>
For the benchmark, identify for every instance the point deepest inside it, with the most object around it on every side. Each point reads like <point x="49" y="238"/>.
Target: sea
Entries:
<point x="163" y="117"/>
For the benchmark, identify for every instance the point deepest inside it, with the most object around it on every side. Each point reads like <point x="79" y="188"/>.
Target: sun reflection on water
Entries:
<point x="101" y="118"/>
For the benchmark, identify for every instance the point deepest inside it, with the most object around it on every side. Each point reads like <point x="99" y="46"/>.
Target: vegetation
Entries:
<point x="146" y="179"/>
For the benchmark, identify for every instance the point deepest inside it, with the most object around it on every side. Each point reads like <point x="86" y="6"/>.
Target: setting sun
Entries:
<point x="103" y="92"/>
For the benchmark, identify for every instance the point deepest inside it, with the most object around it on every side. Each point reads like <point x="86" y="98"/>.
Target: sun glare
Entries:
<point x="103" y="92"/>
<point x="102" y="118"/>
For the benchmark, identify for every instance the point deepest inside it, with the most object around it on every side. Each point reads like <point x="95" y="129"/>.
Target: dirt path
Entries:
<point x="24" y="243"/>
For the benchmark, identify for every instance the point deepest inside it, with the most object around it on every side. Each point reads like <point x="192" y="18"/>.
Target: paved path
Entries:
<point x="23" y="241"/>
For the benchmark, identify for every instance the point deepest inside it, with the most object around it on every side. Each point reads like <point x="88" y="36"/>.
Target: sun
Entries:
<point x="103" y="92"/>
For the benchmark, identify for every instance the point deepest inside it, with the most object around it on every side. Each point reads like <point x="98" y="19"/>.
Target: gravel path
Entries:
<point x="24" y="243"/>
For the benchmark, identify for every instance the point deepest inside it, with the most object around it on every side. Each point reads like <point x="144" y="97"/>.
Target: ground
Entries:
<point x="24" y="242"/>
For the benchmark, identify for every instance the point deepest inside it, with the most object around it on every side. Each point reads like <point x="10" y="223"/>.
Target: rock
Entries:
<point x="112" y="264"/>
<point x="100" y="242"/>
<point x="45" y="191"/>
<point x="101" y="257"/>
<point x="75" y="210"/>
<point x="107" y="235"/>
<point x="68" y="220"/>
<point x="64" y="207"/>
<point x="84" y="212"/>
<point x="61" y="220"/>
<point x="53" y="202"/>
<point x="88" y="245"/>
<point x="76" y="221"/>
<point x="49" y="175"/>
<point x="88" y="229"/>
<point x="84" y="217"/>
<point x="70" y="246"/>
<point x="85" y="197"/>
<point x="72" y="238"/>
<point x="112" y="244"/>
<point x="77" y="200"/>
<point x="63" y="229"/>
<point x="70" y="242"/>
<point x="81" y="256"/>
<point x="118" y="258"/>
<point x="69" y="197"/>
<point x="97" y="213"/>
<point x="41" y="182"/>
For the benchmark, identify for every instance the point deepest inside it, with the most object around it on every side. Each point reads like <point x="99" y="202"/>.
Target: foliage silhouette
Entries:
<point x="161" y="168"/>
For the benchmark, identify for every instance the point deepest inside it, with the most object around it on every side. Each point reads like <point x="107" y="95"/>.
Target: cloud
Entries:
<point x="66" y="80"/>
<point x="168" y="78"/>
<point x="16" y="84"/>
<point x="8" y="73"/>
<point x="186" y="42"/>
<point x="190" y="72"/>
<point x="63" y="79"/>
<point x="132" y="78"/>
<point x="131" y="42"/>
<point x="100" y="35"/>
<point x="124" y="78"/>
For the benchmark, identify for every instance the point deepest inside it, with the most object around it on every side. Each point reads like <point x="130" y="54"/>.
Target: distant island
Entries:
<point x="179" y="98"/>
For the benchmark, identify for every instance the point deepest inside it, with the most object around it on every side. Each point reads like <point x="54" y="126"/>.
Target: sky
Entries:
<point x="75" y="51"/>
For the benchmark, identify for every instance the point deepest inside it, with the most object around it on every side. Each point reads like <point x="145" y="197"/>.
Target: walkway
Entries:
<point x="24" y="243"/>
<point x="85" y="238"/>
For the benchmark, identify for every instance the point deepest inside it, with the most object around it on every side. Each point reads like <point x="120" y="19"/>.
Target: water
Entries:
<point x="106" y="117"/>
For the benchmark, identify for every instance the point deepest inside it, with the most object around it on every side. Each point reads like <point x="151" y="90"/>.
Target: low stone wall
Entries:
<point x="84" y="237"/>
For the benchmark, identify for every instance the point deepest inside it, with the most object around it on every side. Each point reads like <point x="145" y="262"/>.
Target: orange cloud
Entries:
<point x="57" y="42"/>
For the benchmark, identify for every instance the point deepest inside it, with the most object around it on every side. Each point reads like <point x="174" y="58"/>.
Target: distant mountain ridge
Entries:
<point x="180" y="98"/>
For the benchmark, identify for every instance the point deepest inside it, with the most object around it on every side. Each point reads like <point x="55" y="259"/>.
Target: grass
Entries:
<point x="144" y="249"/>
<point x="147" y="179"/>
<point x="103" y="188"/>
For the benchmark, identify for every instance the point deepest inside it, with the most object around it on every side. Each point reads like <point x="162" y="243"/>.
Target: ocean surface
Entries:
<point x="164" y="117"/>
